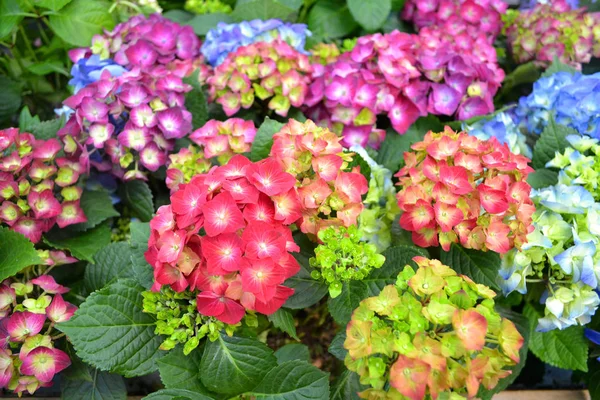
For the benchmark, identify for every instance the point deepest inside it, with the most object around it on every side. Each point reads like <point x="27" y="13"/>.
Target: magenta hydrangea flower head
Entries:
<point x="28" y="311"/>
<point x="38" y="189"/>
<point x="403" y="77"/>
<point x="553" y="30"/>
<point x="127" y="125"/>
<point x="273" y="75"/>
<point x="154" y="44"/>
<point x="470" y="16"/>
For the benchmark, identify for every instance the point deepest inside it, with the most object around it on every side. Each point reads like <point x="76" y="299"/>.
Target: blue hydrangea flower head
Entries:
<point x="88" y="70"/>
<point x="227" y="38"/>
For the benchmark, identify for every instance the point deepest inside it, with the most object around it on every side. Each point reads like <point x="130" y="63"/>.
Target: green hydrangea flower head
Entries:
<point x="207" y="6"/>
<point x="432" y="333"/>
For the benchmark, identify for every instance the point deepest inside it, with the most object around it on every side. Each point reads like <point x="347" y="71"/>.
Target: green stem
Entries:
<point x="27" y="42"/>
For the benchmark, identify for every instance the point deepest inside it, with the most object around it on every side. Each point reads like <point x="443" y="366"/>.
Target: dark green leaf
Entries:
<point x="82" y="245"/>
<point x="47" y="67"/>
<point x="341" y="307"/>
<point x="91" y="384"/>
<point x="195" y="102"/>
<point x="522" y="74"/>
<point x="542" y="178"/>
<point x="111" y="332"/>
<point x="365" y="169"/>
<point x="80" y="20"/>
<point x="178" y="371"/>
<point x="27" y="121"/>
<point x="480" y="266"/>
<point x="234" y="365"/>
<point x="47" y="129"/>
<point x="111" y="262"/>
<point x="11" y="14"/>
<point x="10" y="95"/>
<point x="592" y="378"/>
<point x="284" y="320"/>
<point x="330" y="19"/>
<point x="205" y="22"/>
<point x="137" y="196"/>
<point x="347" y="386"/>
<point x="97" y="207"/>
<point x="370" y="14"/>
<point x="558" y="66"/>
<point x="246" y="10"/>
<point x="140" y="233"/>
<point x="16" y="253"/>
<point x="292" y="351"/>
<point x="176" y="394"/>
<point x="307" y="291"/>
<point x="293" y="4"/>
<point x="552" y="139"/>
<point x="263" y="141"/>
<point x="293" y="380"/>
<point x="179" y="16"/>
<point x="337" y="346"/>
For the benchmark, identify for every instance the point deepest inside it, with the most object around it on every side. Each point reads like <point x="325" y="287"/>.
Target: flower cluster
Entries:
<point x="224" y="139"/>
<point x="261" y="71"/>
<point x="224" y="236"/>
<point x="154" y="44"/>
<point x="227" y="38"/>
<point x="126" y="123"/>
<point x="433" y="332"/>
<point x="550" y="31"/>
<point x="456" y="187"/>
<point x="184" y="165"/>
<point x="381" y="209"/>
<point x="580" y="164"/>
<point x="207" y="6"/>
<point x="404" y="77"/>
<point x="457" y="16"/>
<point x="562" y="254"/>
<point x="178" y="319"/>
<point x="28" y="356"/>
<point x="572" y="99"/>
<point x="37" y="188"/>
<point x="503" y="127"/>
<point x="343" y="257"/>
<point x="529" y="4"/>
<point x="329" y="195"/>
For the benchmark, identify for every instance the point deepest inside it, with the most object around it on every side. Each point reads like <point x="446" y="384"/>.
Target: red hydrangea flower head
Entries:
<point x="131" y="122"/>
<point x="154" y="44"/>
<point x="456" y="188"/>
<point x="457" y="16"/>
<point x="326" y="191"/>
<point x="37" y="187"/>
<point x="274" y="73"/>
<point x="224" y="236"/>
<point x="403" y="77"/>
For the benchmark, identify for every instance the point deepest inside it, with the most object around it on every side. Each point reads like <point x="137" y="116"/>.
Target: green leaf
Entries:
<point x="47" y="129"/>
<point x="263" y="141"/>
<point x="91" y="384"/>
<point x="292" y="351"/>
<point x="365" y="169"/>
<point x="195" y="102"/>
<point x="137" y="196"/>
<point x="307" y="291"/>
<point x="552" y="139"/>
<point x="592" y="378"/>
<point x="370" y="14"/>
<point x="293" y="4"/>
<point x="542" y="178"/>
<point x="16" y="253"/>
<point x="179" y="16"/>
<point x="284" y="320"/>
<point x="558" y="66"/>
<point x="53" y="5"/>
<point x="247" y="10"/>
<point x="111" y="332"/>
<point x="567" y="348"/>
<point x="11" y="15"/>
<point x="205" y="22"/>
<point x="80" y="20"/>
<point x="480" y="266"/>
<point x="47" y="67"/>
<point x="522" y="74"/>
<point x="10" y="95"/>
<point x="337" y="345"/>
<point x="347" y="386"/>
<point x="26" y="120"/>
<point x="233" y="365"/>
<point x="176" y="394"/>
<point x="391" y="153"/>
<point x="341" y="307"/>
<point x="111" y="262"/>
<point x="522" y="324"/>
<point x="97" y="207"/>
<point x="330" y="19"/>
<point x="143" y="272"/>
<point x="82" y="245"/>
<point x="293" y="380"/>
<point x="178" y="371"/>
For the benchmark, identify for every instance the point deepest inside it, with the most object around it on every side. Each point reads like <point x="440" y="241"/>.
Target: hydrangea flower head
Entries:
<point x="471" y="16"/>
<point x="38" y="188"/>
<point x="184" y="165"/>
<point x="207" y="6"/>
<point x="227" y="38"/>
<point x="434" y="332"/>
<point x="274" y="73"/>
<point x="403" y="77"/>
<point x="552" y="30"/>
<point x="503" y="127"/>
<point x="224" y="139"/>
<point x="225" y="238"/>
<point x="457" y="188"/>
<point x="127" y="125"/>
<point x="326" y="191"/>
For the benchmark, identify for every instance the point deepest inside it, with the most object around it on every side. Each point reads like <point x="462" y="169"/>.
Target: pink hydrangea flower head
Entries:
<point x="224" y="139"/>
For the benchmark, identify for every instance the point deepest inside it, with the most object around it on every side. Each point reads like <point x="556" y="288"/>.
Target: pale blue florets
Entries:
<point x="503" y="127"/>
